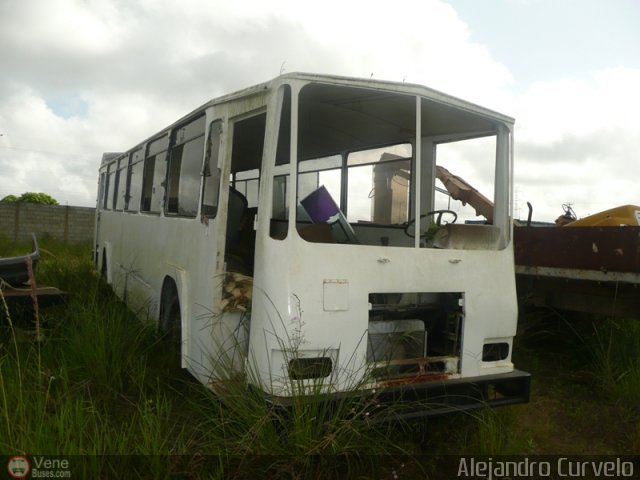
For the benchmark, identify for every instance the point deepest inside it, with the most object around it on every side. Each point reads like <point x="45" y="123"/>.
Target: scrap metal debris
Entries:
<point x="237" y="290"/>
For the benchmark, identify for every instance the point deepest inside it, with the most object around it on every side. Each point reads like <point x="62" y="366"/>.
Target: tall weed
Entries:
<point x="616" y="359"/>
<point x="97" y="385"/>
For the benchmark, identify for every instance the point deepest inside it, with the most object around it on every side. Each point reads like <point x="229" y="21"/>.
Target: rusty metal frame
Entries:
<point x="430" y="398"/>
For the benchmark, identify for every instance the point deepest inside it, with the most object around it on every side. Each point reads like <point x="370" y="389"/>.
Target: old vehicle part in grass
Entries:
<point x="279" y="215"/>
<point x="19" y="288"/>
<point x="22" y="297"/>
<point x="14" y="271"/>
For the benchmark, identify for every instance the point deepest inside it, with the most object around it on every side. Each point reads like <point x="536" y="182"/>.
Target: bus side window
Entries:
<point x="279" y="224"/>
<point x="183" y="181"/>
<point x="153" y="175"/>
<point x="280" y="208"/>
<point x="134" y="181"/>
<point x="147" y="183"/>
<point x="248" y="182"/>
<point x="101" y="190"/>
<point x="116" y="185"/>
<point x="121" y="181"/>
<point x="211" y="173"/>
<point x="105" y="190"/>
<point x="379" y="185"/>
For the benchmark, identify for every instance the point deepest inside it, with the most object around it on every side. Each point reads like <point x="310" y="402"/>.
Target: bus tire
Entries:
<point x="170" y="323"/>
<point x="103" y="268"/>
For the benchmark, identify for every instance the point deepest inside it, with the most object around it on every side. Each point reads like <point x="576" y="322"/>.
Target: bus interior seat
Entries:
<point x="235" y="213"/>
<point x="241" y="237"/>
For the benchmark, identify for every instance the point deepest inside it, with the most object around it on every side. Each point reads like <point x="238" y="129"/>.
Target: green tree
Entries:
<point x="31" y="197"/>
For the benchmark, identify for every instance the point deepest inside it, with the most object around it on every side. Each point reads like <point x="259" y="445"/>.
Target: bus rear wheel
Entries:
<point x="170" y="324"/>
<point x="103" y="268"/>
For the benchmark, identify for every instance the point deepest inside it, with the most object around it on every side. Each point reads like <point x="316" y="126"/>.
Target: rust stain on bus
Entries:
<point x="427" y="377"/>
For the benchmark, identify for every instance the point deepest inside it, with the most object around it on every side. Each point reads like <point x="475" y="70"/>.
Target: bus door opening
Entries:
<point x="246" y="157"/>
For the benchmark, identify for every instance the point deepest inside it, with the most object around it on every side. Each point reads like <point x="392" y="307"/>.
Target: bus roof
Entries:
<point x="398" y="87"/>
<point x="338" y="81"/>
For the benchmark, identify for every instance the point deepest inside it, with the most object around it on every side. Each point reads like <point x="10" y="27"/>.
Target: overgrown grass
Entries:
<point x="616" y="362"/>
<point x="99" y="385"/>
<point x="584" y="398"/>
<point x="74" y="390"/>
<point x="616" y="359"/>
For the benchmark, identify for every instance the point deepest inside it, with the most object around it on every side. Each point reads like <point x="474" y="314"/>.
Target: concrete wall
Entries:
<point x="69" y="224"/>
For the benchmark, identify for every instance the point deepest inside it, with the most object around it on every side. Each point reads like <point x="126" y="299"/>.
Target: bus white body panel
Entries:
<point x="275" y="230"/>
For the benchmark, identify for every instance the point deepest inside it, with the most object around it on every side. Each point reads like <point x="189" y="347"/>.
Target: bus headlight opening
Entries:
<point x="307" y="368"/>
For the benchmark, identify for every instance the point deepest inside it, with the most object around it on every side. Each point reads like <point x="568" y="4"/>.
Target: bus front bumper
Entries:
<point x="413" y="401"/>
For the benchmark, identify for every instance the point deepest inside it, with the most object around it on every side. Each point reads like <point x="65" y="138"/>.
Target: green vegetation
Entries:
<point x="31" y="197"/>
<point x="100" y="383"/>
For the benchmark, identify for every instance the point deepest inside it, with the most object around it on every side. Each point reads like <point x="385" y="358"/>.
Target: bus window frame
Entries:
<point x="350" y="165"/>
<point x="130" y="169"/>
<point x="119" y="200"/>
<point x="162" y="183"/>
<point x="211" y="171"/>
<point x="116" y="185"/>
<point x="105" y="191"/>
<point x="174" y="144"/>
<point x="121" y="181"/>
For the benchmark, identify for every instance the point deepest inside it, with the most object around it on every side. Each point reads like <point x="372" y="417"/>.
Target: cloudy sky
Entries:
<point x="79" y="77"/>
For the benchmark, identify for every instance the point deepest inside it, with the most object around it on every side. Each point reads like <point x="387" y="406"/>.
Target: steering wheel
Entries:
<point x="439" y="214"/>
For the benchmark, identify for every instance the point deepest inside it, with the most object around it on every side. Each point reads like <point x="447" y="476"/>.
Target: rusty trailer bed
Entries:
<point x="586" y="269"/>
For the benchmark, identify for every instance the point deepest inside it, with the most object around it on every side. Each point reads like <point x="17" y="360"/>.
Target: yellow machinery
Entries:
<point x="615" y="217"/>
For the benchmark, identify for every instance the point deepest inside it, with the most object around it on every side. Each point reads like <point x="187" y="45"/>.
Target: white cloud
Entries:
<point x="577" y="142"/>
<point x="93" y="76"/>
<point x="83" y="77"/>
<point x="65" y="26"/>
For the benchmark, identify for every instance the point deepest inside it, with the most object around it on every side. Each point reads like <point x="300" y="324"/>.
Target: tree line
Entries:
<point x="31" y="197"/>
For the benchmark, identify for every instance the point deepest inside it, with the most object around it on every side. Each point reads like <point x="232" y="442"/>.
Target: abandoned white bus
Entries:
<point x="296" y="231"/>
